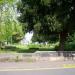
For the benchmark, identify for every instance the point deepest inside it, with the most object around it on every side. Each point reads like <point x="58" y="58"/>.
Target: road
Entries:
<point x="67" y="71"/>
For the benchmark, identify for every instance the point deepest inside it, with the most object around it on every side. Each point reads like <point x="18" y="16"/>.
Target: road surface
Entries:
<point x="70" y="71"/>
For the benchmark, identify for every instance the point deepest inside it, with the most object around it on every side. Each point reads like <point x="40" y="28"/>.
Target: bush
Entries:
<point x="33" y="46"/>
<point x="70" y="46"/>
<point x="56" y="48"/>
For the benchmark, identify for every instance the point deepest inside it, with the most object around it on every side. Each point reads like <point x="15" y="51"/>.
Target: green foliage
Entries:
<point x="45" y="38"/>
<point x="8" y="23"/>
<point x="16" y="37"/>
<point x="53" y="15"/>
<point x="37" y="15"/>
<point x="70" y="44"/>
<point x="8" y="1"/>
<point x="33" y="46"/>
<point x="46" y="17"/>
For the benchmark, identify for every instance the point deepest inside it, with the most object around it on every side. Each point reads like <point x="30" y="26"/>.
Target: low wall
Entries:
<point x="38" y="56"/>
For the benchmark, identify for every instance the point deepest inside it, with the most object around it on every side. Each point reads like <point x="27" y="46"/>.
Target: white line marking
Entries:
<point x="13" y="69"/>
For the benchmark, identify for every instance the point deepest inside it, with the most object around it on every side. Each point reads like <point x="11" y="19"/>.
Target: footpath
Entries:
<point x="4" y="66"/>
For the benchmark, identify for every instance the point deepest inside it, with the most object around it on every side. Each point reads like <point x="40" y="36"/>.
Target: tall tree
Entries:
<point x="8" y="22"/>
<point x="48" y="17"/>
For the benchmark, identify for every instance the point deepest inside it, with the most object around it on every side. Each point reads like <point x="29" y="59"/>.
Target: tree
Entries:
<point x="43" y="39"/>
<point x="48" y="17"/>
<point x="8" y="23"/>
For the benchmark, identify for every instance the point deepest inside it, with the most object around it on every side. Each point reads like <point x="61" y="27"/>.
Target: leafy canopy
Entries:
<point x="46" y="16"/>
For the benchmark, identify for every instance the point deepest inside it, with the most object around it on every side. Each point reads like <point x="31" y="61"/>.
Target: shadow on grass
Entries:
<point x="20" y="50"/>
<point x="30" y="50"/>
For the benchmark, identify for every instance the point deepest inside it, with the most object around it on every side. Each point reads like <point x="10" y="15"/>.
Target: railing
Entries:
<point x="40" y="56"/>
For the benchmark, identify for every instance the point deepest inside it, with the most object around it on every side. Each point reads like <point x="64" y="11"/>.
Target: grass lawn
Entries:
<point x="31" y="48"/>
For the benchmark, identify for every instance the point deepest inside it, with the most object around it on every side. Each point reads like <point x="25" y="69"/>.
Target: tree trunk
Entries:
<point x="62" y="38"/>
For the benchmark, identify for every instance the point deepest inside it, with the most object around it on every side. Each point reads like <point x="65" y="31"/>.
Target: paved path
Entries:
<point x="32" y="65"/>
<point x="40" y="72"/>
<point x="36" y="68"/>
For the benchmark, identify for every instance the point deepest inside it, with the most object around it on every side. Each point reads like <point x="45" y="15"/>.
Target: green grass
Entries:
<point x="6" y="51"/>
<point x="21" y="46"/>
<point x="31" y="48"/>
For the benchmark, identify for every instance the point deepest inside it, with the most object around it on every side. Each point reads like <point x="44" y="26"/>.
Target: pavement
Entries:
<point x="43" y="66"/>
<point x="4" y="66"/>
<point x="38" y="68"/>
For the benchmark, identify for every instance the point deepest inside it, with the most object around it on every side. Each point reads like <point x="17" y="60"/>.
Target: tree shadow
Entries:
<point x="68" y="55"/>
